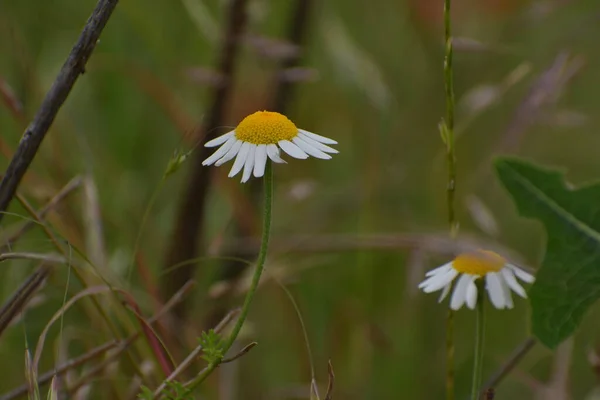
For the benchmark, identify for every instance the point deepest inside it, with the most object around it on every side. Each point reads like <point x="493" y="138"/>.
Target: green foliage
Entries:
<point x="568" y="282"/>
<point x="212" y="346"/>
<point x="178" y="158"/>
<point x="146" y="394"/>
<point x="172" y="391"/>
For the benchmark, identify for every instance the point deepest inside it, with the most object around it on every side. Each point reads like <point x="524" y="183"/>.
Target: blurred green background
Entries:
<point x="352" y="237"/>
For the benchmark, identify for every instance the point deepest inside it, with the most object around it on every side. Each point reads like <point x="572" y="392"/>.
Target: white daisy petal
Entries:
<point x="460" y="291"/>
<point x="437" y="282"/>
<point x="445" y="292"/>
<point x="428" y="281"/>
<point x="508" y="297"/>
<point x="439" y="269"/>
<point x="494" y="288"/>
<point x="230" y="154"/>
<point x="292" y="149"/>
<point x="512" y="283"/>
<point x="472" y="294"/>
<point x="260" y="160"/>
<point x="318" y="138"/>
<point x="240" y="160"/>
<point x="273" y="153"/>
<point x="249" y="165"/>
<point x="522" y="275"/>
<point x="317" y="145"/>
<point x="308" y="149"/>
<point x="221" y="139"/>
<point x="221" y="151"/>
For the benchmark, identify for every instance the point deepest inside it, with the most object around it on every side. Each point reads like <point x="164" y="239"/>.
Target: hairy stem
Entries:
<point x="479" y="341"/>
<point x="260" y="263"/>
<point x="447" y="132"/>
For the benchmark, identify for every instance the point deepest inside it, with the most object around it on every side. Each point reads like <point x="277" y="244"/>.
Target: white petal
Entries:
<point x="460" y="291"/>
<point x="309" y="149"/>
<point x="260" y="160"/>
<point x="439" y="269"/>
<point x="273" y="153"/>
<point x="507" y="297"/>
<point x="221" y="139"/>
<point x="437" y="282"/>
<point x="316" y="144"/>
<point x="472" y="294"/>
<point x="292" y="149"/>
<point x="221" y="151"/>
<point x="445" y="292"/>
<point x="495" y="290"/>
<point x="249" y="163"/>
<point x="240" y="160"/>
<point x="230" y="154"/>
<point x="522" y="275"/>
<point x="318" y="138"/>
<point x="512" y="283"/>
<point x="428" y="281"/>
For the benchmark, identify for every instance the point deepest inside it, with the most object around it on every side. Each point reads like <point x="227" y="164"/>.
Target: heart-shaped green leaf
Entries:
<point x="568" y="281"/>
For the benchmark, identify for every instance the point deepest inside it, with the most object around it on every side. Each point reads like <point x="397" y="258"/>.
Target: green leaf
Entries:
<point x="568" y="282"/>
<point x="145" y="394"/>
<point x="212" y="346"/>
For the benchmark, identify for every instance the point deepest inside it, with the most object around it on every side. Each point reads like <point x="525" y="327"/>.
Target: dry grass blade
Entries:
<point x="122" y="346"/>
<point x="329" y="395"/>
<point x="53" y="391"/>
<point x="49" y="258"/>
<point x="70" y="364"/>
<point x="93" y="223"/>
<point x="31" y="376"/>
<point x="56" y="96"/>
<point x="159" y="350"/>
<point x="91" y="291"/>
<point x="26" y="226"/>
<point x="17" y="302"/>
<point x="11" y="101"/>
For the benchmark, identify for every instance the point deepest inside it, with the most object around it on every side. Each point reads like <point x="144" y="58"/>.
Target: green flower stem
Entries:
<point x="479" y="341"/>
<point x="448" y="137"/>
<point x="260" y="263"/>
<point x="450" y="355"/>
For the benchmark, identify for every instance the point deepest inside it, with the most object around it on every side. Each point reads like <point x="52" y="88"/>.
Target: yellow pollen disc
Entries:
<point x="265" y="127"/>
<point x="480" y="262"/>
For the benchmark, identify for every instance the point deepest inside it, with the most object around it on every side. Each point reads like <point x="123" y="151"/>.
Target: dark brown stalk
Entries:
<point x="56" y="96"/>
<point x="298" y="24"/>
<point x="283" y="93"/>
<point x="19" y="299"/>
<point x="187" y="232"/>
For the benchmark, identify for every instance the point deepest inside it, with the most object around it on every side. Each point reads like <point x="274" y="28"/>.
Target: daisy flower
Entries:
<point x="261" y="135"/>
<point x="500" y="279"/>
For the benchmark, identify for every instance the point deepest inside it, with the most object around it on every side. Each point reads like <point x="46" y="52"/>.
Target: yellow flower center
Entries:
<point x="479" y="262"/>
<point x="265" y="127"/>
